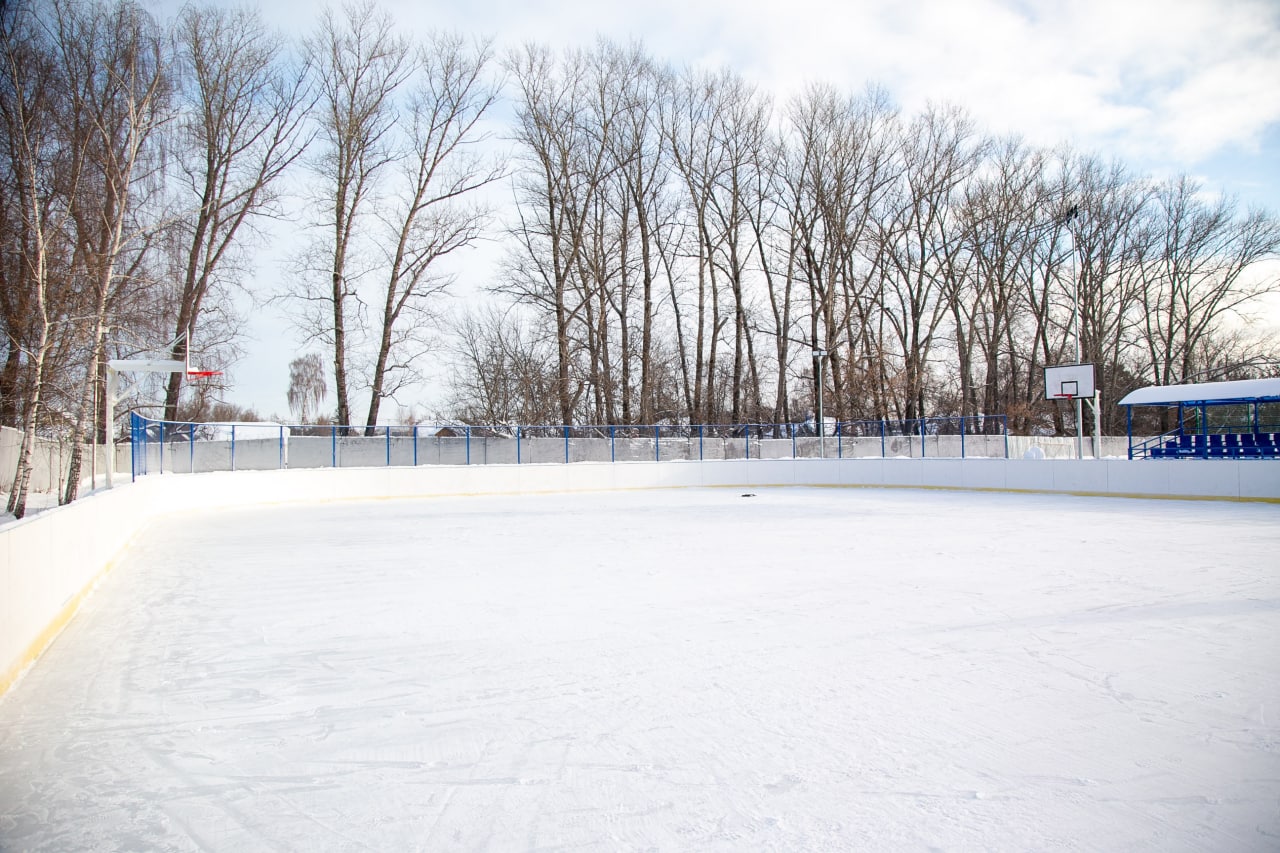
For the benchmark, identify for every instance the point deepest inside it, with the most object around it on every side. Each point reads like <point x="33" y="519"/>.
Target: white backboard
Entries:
<point x="1068" y="381"/>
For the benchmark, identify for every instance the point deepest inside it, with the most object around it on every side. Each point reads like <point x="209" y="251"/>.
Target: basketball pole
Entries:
<point x="115" y="367"/>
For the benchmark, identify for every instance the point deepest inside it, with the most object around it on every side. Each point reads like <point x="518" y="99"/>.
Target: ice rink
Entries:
<point x="803" y="669"/>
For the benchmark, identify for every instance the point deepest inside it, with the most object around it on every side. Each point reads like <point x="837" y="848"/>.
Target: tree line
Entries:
<point x="679" y="248"/>
<point x="686" y="248"/>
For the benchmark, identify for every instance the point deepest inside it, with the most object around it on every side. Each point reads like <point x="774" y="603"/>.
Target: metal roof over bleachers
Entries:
<point x="1240" y="391"/>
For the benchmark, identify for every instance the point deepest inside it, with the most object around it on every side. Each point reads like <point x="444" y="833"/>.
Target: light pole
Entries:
<point x="818" y="355"/>
<point x="1072" y="213"/>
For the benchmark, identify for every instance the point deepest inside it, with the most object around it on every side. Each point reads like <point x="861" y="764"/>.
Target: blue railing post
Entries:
<point x="517" y="445"/>
<point x="700" y="458"/>
<point x="657" y="447"/>
<point x="566" y="444"/>
<point x="962" y="438"/>
<point x="133" y="447"/>
<point x="1005" y="420"/>
<point x="388" y="445"/>
<point x="468" y="445"/>
<point x="233" y="447"/>
<point x="839" y="440"/>
<point x="612" y="456"/>
<point x="191" y="448"/>
<point x="792" y="429"/>
<point x="1129" y="428"/>
<point x="162" y="447"/>
<point x="415" y="445"/>
<point x="280" y="450"/>
<point x="333" y="445"/>
<point x="882" y="439"/>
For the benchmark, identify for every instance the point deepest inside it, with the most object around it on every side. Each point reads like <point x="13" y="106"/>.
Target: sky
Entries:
<point x="1167" y="86"/>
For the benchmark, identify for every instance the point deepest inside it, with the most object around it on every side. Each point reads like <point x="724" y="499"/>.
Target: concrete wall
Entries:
<point x="50" y="462"/>
<point x="49" y="562"/>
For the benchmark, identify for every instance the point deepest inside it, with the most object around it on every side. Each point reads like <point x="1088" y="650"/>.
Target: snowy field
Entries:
<point x="805" y="669"/>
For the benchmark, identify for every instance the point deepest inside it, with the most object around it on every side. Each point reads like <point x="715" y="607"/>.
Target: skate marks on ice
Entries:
<point x="810" y="669"/>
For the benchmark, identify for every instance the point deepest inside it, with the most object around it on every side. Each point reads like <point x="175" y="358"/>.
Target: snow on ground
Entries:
<point x="806" y="669"/>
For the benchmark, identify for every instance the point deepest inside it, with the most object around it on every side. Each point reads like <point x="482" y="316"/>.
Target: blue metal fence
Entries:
<point x="191" y="447"/>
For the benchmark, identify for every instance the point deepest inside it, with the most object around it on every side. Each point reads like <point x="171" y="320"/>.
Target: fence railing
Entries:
<point x="182" y="447"/>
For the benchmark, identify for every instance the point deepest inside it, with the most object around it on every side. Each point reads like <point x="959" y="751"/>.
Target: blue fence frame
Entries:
<point x="178" y="437"/>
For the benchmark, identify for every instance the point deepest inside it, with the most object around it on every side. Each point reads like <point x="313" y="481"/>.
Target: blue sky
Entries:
<point x="1167" y="86"/>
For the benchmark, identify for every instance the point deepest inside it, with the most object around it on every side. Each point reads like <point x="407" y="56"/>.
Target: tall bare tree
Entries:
<point x="360" y="63"/>
<point x="40" y="175"/>
<point x="244" y="104"/>
<point x="434" y="211"/>
<point x="1199" y="274"/>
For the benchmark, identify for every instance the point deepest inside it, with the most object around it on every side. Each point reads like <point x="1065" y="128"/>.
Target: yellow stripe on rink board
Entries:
<point x="45" y="638"/>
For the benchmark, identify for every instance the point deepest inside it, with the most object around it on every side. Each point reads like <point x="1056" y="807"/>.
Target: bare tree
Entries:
<point x="567" y="169"/>
<point x="940" y="150"/>
<point x="307" y="386"/>
<point x="504" y="369"/>
<point x="40" y="174"/>
<point x="244" y="107"/>
<point x="434" y="213"/>
<point x="360" y="64"/>
<point x="1199" y="274"/>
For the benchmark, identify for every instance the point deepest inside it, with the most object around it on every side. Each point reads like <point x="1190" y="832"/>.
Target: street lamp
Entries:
<point x="1072" y="213"/>
<point x="818" y="355"/>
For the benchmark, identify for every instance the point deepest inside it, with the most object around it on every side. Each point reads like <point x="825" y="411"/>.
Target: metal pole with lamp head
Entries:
<point x="1072" y="213"/>
<point x="818" y="355"/>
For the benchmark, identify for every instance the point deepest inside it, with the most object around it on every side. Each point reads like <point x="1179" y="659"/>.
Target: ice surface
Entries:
<point x="807" y="669"/>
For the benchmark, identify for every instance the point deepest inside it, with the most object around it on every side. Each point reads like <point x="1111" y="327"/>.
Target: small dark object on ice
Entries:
<point x="749" y="495"/>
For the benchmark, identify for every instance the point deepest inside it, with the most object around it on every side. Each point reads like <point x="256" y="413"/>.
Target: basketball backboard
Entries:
<point x="1069" y="382"/>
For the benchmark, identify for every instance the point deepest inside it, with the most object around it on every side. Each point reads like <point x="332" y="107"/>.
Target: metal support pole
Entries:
<point x="1096" y="403"/>
<point x="818" y="355"/>
<point x="113" y="380"/>
<point x="566" y="445"/>
<point x="415" y="445"/>
<point x="1129" y="428"/>
<point x="233" y="449"/>
<point x="613" y="456"/>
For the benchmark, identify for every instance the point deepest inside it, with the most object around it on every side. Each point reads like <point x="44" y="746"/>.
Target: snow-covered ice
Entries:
<point x="805" y="669"/>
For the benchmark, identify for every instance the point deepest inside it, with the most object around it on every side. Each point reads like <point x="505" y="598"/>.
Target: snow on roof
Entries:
<point x="1203" y="392"/>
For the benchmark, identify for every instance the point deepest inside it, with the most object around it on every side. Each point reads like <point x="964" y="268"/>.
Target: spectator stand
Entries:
<point x="1215" y="420"/>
